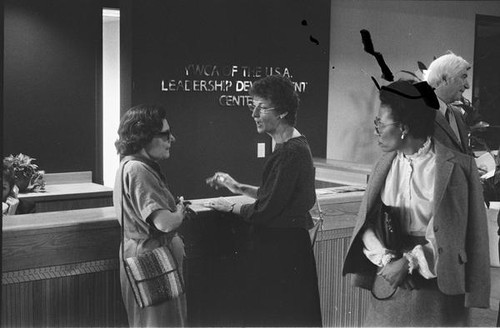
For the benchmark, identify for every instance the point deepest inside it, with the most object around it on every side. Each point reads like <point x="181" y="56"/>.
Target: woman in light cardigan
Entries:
<point x="436" y="194"/>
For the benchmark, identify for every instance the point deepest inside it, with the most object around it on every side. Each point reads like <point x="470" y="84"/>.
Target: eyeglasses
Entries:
<point x="166" y="135"/>
<point x="379" y="125"/>
<point x="262" y="111"/>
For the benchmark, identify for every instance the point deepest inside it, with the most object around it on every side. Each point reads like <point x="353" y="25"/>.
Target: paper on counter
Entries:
<point x="486" y="162"/>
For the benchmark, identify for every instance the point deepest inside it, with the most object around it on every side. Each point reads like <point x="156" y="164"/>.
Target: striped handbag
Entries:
<point x="154" y="277"/>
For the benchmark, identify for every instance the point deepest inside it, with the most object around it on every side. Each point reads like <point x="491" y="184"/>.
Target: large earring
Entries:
<point x="403" y="135"/>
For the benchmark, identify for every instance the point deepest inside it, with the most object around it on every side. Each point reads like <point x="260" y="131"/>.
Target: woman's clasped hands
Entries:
<point x="396" y="274"/>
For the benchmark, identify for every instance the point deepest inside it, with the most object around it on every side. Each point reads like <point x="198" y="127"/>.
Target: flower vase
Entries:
<point x="22" y="183"/>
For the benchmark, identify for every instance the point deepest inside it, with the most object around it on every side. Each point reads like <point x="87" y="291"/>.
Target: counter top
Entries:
<point x="330" y="195"/>
<point x="339" y="196"/>
<point x="68" y="191"/>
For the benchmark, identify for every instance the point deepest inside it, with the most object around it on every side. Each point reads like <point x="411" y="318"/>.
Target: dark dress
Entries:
<point x="282" y="284"/>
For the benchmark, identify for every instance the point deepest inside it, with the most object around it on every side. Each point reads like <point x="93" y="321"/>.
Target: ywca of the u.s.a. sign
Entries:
<point x="230" y="82"/>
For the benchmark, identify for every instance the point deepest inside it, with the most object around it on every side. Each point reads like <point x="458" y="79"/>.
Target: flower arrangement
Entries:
<point x="28" y="177"/>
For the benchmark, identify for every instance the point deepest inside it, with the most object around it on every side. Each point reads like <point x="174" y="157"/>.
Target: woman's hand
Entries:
<point x="182" y="209"/>
<point x="167" y="221"/>
<point x="395" y="272"/>
<point x="221" y="204"/>
<point x="221" y="179"/>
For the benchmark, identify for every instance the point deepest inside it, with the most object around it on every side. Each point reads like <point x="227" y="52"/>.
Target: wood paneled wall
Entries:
<point x="341" y="304"/>
<point x="84" y="296"/>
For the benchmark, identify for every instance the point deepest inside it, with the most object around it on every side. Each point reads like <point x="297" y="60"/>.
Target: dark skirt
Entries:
<point x="282" y="284"/>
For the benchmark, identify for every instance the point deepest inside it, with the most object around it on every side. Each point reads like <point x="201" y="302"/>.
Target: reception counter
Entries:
<point x="61" y="268"/>
<point x="68" y="191"/>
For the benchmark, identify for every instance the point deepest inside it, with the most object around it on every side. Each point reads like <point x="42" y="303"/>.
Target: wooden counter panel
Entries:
<point x="69" y="196"/>
<point x="54" y="238"/>
<point x="61" y="268"/>
<point x="59" y="247"/>
<point x="71" y="204"/>
<point x="56" y="220"/>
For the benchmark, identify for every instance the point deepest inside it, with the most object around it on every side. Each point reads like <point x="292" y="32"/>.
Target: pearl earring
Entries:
<point x="403" y="135"/>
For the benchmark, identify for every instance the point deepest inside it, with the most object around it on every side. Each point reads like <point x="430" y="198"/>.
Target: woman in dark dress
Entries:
<point x="281" y="282"/>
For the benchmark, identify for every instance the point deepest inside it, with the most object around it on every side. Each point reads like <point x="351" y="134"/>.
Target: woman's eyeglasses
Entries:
<point x="166" y="135"/>
<point x="379" y="125"/>
<point x="262" y="111"/>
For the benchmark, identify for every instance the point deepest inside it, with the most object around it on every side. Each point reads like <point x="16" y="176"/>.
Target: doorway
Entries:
<point x="110" y="92"/>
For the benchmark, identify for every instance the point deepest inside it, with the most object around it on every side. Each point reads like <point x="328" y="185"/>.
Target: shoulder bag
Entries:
<point x="387" y="228"/>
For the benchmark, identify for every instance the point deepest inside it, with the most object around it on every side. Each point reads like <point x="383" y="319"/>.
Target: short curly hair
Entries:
<point x="138" y="127"/>
<point x="281" y="92"/>
<point x="411" y="111"/>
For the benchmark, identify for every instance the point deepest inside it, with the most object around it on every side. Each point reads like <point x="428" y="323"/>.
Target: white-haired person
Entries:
<point x="448" y="75"/>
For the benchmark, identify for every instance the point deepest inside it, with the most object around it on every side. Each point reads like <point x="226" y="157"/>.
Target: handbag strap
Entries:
<point x="122" y="191"/>
<point x="121" y="210"/>
<point x="385" y="297"/>
<point x="318" y="226"/>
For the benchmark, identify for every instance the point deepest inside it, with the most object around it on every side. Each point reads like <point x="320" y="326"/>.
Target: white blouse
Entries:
<point x="409" y="188"/>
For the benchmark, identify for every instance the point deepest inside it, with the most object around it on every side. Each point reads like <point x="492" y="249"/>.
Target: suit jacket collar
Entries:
<point x="462" y="128"/>
<point x="443" y="124"/>
<point x="442" y="106"/>
<point x="444" y="168"/>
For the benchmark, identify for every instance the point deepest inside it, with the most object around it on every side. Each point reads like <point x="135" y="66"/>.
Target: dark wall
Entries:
<point x="212" y="133"/>
<point x="51" y="96"/>
<point x="486" y="84"/>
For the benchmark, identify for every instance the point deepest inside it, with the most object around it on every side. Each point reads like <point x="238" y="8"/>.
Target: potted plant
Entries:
<point x="28" y="177"/>
<point x="491" y="181"/>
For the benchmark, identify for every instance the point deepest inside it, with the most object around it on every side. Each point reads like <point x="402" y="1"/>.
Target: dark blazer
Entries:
<point x="445" y="135"/>
<point x="460" y="227"/>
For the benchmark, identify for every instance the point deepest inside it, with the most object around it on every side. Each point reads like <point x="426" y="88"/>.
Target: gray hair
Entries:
<point x="446" y="66"/>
